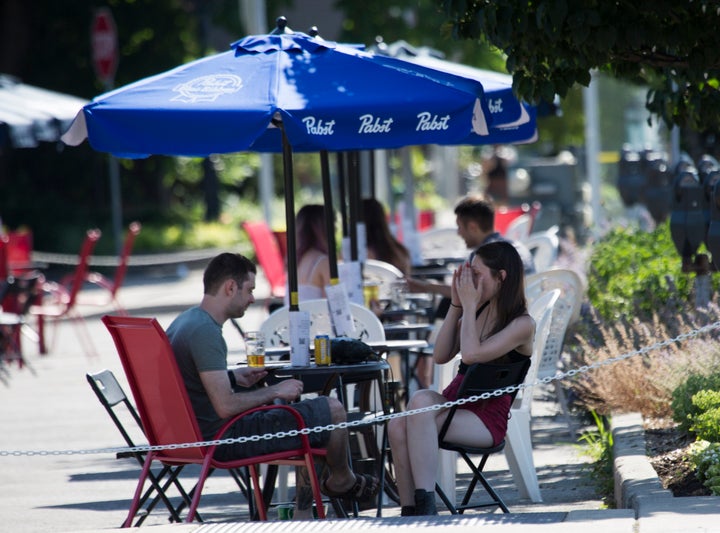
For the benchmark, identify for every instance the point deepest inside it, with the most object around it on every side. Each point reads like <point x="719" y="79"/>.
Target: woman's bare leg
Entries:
<point x="422" y="438"/>
<point x="466" y="428"/>
<point x="397" y="433"/>
<point x="414" y="442"/>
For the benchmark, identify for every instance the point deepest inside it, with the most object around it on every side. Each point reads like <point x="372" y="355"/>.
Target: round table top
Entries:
<point x="283" y="368"/>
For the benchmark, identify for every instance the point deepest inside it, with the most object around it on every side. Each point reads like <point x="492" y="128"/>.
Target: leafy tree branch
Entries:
<point x="552" y="44"/>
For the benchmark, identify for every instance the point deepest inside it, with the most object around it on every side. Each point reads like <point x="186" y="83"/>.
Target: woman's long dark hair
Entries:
<point x="387" y="248"/>
<point x="511" y="302"/>
<point x="310" y="229"/>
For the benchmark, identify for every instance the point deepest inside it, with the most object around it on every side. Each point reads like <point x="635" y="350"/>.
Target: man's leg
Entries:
<point x="341" y="477"/>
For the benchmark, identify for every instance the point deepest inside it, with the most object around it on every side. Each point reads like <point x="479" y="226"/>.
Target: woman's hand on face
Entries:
<point x="468" y="290"/>
<point x="454" y="298"/>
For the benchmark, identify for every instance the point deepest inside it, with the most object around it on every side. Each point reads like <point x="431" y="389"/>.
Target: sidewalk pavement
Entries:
<point x="49" y="409"/>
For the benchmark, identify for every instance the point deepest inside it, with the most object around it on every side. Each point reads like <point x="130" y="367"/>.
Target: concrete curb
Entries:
<point x="634" y="475"/>
<point x="638" y="487"/>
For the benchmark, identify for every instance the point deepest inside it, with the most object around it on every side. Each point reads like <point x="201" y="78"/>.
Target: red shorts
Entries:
<point x="494" y="411"/>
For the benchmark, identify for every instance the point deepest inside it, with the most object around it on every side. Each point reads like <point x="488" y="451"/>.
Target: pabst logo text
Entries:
<point x="429" y="122"/>
<point x="495" y="106"/>
<point x="318" y="127"/>
<point x="207" y="88"/>
<point x="371" y="124"/>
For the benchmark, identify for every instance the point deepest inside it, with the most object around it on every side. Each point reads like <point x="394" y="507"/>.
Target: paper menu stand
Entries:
<point x="351" y="276"/>
<point x="299" y="338"/>
<point x="340" y="314"/>
<point x="362" y="241"/>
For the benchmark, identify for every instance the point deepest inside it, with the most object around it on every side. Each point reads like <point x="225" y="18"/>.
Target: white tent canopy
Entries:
<point x="30" y="115"/>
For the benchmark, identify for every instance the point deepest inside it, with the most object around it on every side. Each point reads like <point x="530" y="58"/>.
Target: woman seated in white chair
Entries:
<point x="487" y="321"/>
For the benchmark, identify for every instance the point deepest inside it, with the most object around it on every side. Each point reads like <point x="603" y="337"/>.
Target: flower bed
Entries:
<point x="668" y="450"/>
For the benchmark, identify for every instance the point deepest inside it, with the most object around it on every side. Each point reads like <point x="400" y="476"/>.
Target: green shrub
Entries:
<point x="684" y="410"/>
<point x="706" y="458"/>
<point x="200" y="235"/>
<point x="635" y="273"/>
<point x="706" y="424"/>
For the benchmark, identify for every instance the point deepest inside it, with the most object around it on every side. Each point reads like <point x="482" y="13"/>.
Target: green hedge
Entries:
<point x="685" y="410"/>
<point x="636" y="273"/>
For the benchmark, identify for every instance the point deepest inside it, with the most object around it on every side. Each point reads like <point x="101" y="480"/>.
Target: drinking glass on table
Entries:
<point x="371" y="293"/>
<point x="255" y="348"/>
<point x="398" y="291"/>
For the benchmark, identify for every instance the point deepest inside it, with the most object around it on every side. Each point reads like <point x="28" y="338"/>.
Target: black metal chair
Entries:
<point x="480" y="378"/>
<point x="111" y="396"/>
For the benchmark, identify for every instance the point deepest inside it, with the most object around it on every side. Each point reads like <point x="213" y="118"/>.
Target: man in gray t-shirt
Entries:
<point x="218" y="394"/>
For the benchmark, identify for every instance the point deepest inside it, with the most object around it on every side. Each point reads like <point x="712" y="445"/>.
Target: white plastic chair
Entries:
<point x="568" y="281"/>
<point x="519" y="229"/>
<point x="442" y="243"/>
<point x="277" y="329"/>
<point x="518" y="450"/>
<point x="382" y="273"/>
<point x="544" y="247"/>
<point x="567" y="311"/>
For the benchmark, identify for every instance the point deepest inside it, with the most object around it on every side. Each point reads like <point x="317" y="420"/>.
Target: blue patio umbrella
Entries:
<point x="305" y="93"/>
<point x="513" y="121"/>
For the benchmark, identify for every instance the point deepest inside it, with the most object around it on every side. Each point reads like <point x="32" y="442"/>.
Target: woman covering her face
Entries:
<point x="487" y="322"/>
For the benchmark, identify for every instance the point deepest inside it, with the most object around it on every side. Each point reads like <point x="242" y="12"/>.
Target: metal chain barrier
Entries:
<point x="381" y="418"/>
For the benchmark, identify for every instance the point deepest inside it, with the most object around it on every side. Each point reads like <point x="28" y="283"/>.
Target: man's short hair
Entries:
<point x="478" y="210"/>
<point x="226" y="266"/>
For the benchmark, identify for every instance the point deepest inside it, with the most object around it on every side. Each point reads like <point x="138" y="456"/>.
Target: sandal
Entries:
<point x="364" y="487"/>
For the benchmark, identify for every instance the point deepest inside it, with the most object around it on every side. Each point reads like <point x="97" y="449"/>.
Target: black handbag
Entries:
<point x="347" y="351"/>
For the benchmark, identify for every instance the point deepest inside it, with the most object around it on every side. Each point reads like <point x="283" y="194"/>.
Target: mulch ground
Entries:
<point x="667" y="448"/>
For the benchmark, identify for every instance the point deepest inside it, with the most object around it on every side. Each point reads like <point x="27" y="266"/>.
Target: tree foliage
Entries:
<point x="415" y="21"/>
<point x="553" y="44"/>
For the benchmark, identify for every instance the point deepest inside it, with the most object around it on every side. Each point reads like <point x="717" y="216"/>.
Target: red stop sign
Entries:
<point x="103" y="36"/>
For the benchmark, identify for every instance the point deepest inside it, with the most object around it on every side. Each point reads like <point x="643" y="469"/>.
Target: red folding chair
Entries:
<point x="19" y="251"/>
<point x="110" y="287"/>
<point x="268" y="255"/>
<point x="16" y="296"/>
<point x="4" y="270"/>
<point x="505" y="215"/>
<point x="113" y="398"/>
<point x="10" y="325"/>
<point x="116" y="403"/>
<point x="58" y="300"/>
<point x="168" y="418"/>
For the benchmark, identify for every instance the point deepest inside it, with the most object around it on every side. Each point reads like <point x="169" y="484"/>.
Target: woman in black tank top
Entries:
<point x="487" y="321"/>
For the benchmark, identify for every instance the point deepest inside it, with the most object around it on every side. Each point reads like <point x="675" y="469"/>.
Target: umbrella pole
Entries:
<point x="354" y="179"/>
<point x="290" y="219"/>
<point x="371" y="163"/>
<point x="329" y="216"/>
<point x="341" y="181"/>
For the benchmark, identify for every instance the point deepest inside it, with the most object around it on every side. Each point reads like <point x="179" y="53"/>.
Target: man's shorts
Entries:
<point x="315" y="412"/>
